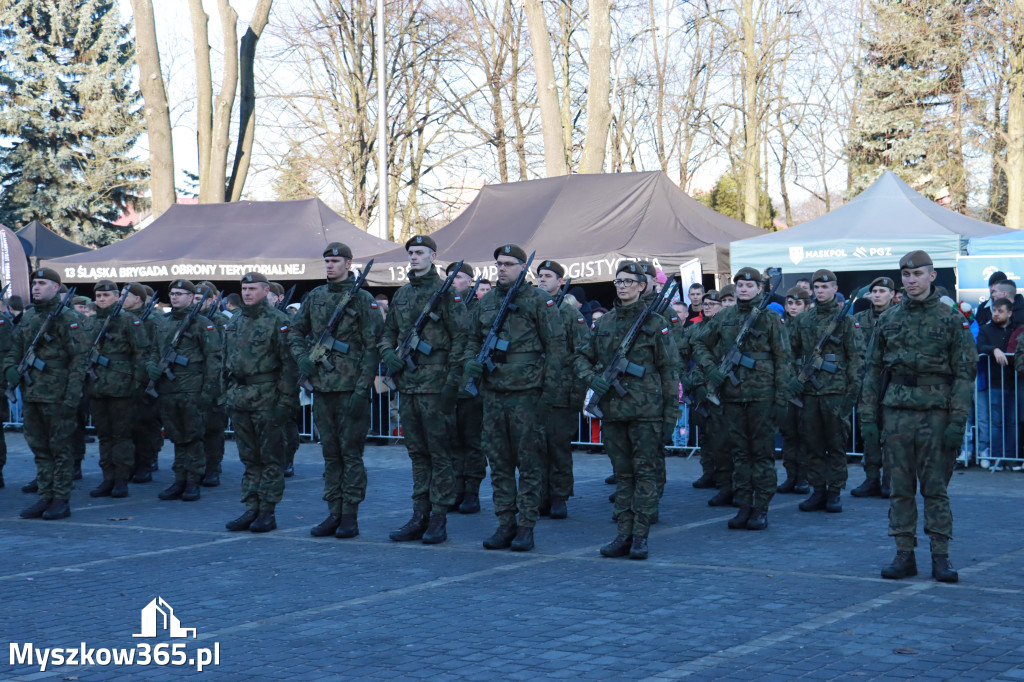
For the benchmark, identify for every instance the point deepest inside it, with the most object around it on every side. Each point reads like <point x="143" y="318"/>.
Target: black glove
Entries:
<point x="392" y="361"/>
<point x="668" y="431"/>
<point x="473" y="369"/>
<point x="307" y="367"/>
<point x="153" y="370"/>
<point x="358" y="404"/>
<point x="599" y="385"/>
<point x="716" y="377"/>
<point x="953" y="436"/>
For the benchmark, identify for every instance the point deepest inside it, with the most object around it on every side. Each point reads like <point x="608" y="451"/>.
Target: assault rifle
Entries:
<point x="666" y="300"/>
<point x="148" y="310"/>
<point x="560" y="296"/>
<point x="735" y="357"/>
<point x="282" y="304"/>
<point x="171" y="356"/>
<point x="326" y="341"/>
<point x="492" y="343"/>
<point x="620" y="364"/>
<point x="95" y="357"/>
<point x="30" y="360"/>
<point x="471" y="296"/>
<point x="817" y="360"/>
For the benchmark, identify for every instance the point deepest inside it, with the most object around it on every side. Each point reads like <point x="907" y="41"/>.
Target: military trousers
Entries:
<point x="707" y="458"/>
<point x="112" y="418"/>
<point x="826" y="434"/>
<point x="147" y="431"/>
<point x="185" y="424"/>
<point x="48" y="431"/>
<point x="794" y="454"/>
<point x="342" y="438"/>
<point x="468" y="458"/>
<point x="428" y="438"/>
<point x="291" y="429"/>
<point x="751" y="442"/>
<point x="912" y="448"/>
<point x="714" y="440"/>
<point x="213" y="437"/>
<point x="78" y="435"/>
<point x="513" y="438"/>
<point x="260" y="443"/>
<point x="634" y="448"/>
<point x="561" y="424"/>
<point x="872" y="461"/>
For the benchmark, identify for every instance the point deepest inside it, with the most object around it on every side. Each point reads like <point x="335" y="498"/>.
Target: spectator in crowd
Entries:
<point x="232" y="303"/>
<point x="382" y="304"/>
<point x="485" y="286"/>
<point x="16" y="307"/>
<point x="694" y="312"/>
<point x="1007" y="289"/>
<point x="596" y="313"/>
<point x="994" y="342"/>
<point x="984" y="312"/>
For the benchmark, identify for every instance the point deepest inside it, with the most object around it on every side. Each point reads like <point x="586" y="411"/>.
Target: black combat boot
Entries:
<point x="289" y="469"/>
<point x="558" y="508"/>
<point x="437" y="530"/>
<point x="31" y="487"/>
<point x="212" y="478"/>
<point x="758" y="519"/>
<point x="36" y="510"/>
<point x="639" y="548"/>
<point x="903" y="566"/>
<point x="470" y="502"/>
<point x="76" y="472"/>
<point x="741" y="518"/>
<point x="610" y="479"/>
<point x="265" y="521"/>
<point x="173" y="492"/>
<point x="802" y="487"/>
<point x="242" y="522"/>
<point x="545" y="508"/>
<point x="191" y="491"/>
<point x="120" y="488"/>
<point x="523" y="541"/>
<point x="457" y="503"/>
<point x="413" y="528"/>
<point x="942" y="570"/>
<point x="142" y="474"/>
<point x="611" y="498"/>
<point x="502" y="537"/>
<point x="348" y="528"/>
<point x="871" y="487"/>
<point x="787" y="485"/>
<point x="816" y="502"/>
<point x="723" y="498"/>
<point x="833" y="502"/>
<point x="706" y="480"/>
<point x="2" y="484"/>
<point x="58" y="509"/>
<point x="885" y="490"/>
<point x="326" y="527"/>
<point x="618" y="547"/>
<point x="102" y="490"/>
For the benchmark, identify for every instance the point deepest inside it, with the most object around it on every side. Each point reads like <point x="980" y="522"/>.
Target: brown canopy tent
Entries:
<point x="587" y="222"/>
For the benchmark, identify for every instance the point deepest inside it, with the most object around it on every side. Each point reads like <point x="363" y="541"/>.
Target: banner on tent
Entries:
<point x="972" y="273"/>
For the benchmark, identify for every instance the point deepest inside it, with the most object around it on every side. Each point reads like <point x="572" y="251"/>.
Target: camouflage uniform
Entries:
<point x="147" y="429"/>
<point x="260" y="375"/>
<point x="217" y="416"/>
<point x="923" y="354"/>
<point x="794" y="454"/>
<point x="6" y="340"/>
<point x="468" y="460"/>
<point x="866" y="321"/>
<point x="342" y="430"/>
<point x="426" y="426"/>
<point x="633" y="425"/>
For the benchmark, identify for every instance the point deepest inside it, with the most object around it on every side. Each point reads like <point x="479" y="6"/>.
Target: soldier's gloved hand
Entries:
<point x="71" y="400"/>
<point x="391" y="360"/>
<point x="358" y="404"/>
<point x="668" y="430"/>
<point x="13" y="378"/>
<point x="449" y="398"/>
<point x="473" y="369"/>
<point x="953" y="437"/>
<point x="869" y="432"/>
<point x="599" y="385"/>
<point x="780" y="412"/>
<point x="307" y="367"/>
<point x="686" y="381"/>
<point x="700" y="394"/>
<point x="153" y="370"/>
<point x="796" y="387"/>
<point x="716" y="377"/>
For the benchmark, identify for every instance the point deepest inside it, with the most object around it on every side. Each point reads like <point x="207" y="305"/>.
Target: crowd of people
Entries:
<point x="496" y="376"/>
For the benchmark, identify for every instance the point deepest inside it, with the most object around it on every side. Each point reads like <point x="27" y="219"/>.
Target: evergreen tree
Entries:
<point x="70" y="117"/>
<point x="724" y="198"/>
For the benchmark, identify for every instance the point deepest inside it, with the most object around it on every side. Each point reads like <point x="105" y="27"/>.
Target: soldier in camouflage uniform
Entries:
<point x="876" y="481"/>
<point x="918" y="387"/>
<point x="561" y="422"/>
<point x="186" y="399"/>
<point x="52" y="398"/>
<point x="429" y="393"/>
<point x="634" y="425"/>
<point x="794" y="454"/>
<point x="515" y="394"/>
<point x="6" y="340"/>
<point x="261" y="374"/>
<point x="290" y="424"/>
<point x="758" y="404"/>
<point x="217" y="417"/>
<point x="468" y="458"/>
<point x="341" y="404"/>
<point x="693" y="384"/>
<point x="147" y="430"/>
<point x="111" y="384"/>
<point x="825" y="416"/>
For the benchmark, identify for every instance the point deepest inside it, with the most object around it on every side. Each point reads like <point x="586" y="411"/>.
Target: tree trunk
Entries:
<point x="247" y="105"/>
<point x="204" y="93"/>
<point x="157" y="112"/>
<point x="547" y="93"/>
<point x="751" y="119"/>
<point x="1015" y="138"/>
<point x="223" y="104"/>
<point x="599" y="110"/>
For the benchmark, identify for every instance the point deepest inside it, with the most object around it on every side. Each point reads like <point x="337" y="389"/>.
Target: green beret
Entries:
<point x="46" y="273"/>
<point x="183" y="284"/>
<point x="277" y="288"/>
<point x="337" y="250"/>
<point x="915" y="259"/>
<point x="81" y="300"/>
<point x="728" y="290"/>
<point x="823" y="275"/>
<point x="254" y="277"/>
<point x="466" y="268"/>
<point x="882" y="282"/>
<point x="632" y="267"/>
<point x="421" y="240"/>
<point x="747" y="274"/>
<point x="209" y="288"/>
<point x="105" y="285"/>
<point x="137" y="289"/>
<point x="553" y="267"/>
<point x="149" y="290"/>
<point x="799" y="293"/>
<point x="511" y="250"/>
<point x="646" y="267"/>
<point x="712" y="295"/>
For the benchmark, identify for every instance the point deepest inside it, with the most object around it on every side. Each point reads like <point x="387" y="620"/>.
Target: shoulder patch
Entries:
<point x="137" y="322"/>
<point x="373" y="305"/>
<point x="966" y="326"/>
<point x="3" y="321"/>
<point x="74" y="325"/>
<point x="209" y="327"/>
<point x="550" y="302"/>
<point x="581" y="320"/>
<point x="856" y="324"/>
<point x="225" y="325"/>
<point x="674" y="319"/>
<point x="458" y="299"/>
<point x="664" y="331"/>
<point x="284" y="328"/>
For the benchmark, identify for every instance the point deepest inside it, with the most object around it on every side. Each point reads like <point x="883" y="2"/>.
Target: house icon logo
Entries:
<point x="159" y="614"/>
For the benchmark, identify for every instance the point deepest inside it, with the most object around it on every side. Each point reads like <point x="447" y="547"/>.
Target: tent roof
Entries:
<point x="283" y="239"/>
<point x="587" y="223"/>
<point x="1011" y="243"/>
<point x="871" y="232"/>
<point x="40" y="241"/>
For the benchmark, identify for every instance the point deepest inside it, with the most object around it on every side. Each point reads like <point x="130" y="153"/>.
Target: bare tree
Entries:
<point x="599" y="111"/>
<point x="547" y="91"/>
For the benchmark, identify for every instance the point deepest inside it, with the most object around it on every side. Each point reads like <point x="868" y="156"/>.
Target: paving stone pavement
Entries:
<point x="802" y="600"/>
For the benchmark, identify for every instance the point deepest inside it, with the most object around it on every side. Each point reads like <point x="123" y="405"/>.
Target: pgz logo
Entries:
<point x="861" y="252"/>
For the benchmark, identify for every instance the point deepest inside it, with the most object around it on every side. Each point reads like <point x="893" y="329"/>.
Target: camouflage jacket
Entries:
<point x="126" y="350"/>
<point x="866" y="321"/>
<point x="358" y="327"/>
<point x="843" y="349"/>
<point x="200" y="344"/>
<point x="446" y="335"/>
<point x="655" y="395"/>
<point x="7" y="327"/>
<point x="570" y="388"/>
<point x="924" y="342"/>
<point x="258" y="365"/>
<point x="63" y="352"/>
<point x="535" y="335"/>
<point x="769" y="379"/>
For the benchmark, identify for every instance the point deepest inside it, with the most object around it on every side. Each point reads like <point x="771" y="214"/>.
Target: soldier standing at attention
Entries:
<point x="825" y="416"/>
<point x="469" y="462"/>
<point x="758" y="404"/>
<point x="918" y="388"/>
<point x="561" y="422"/>
<point x="290" y="424"/>
<point x="515" y="394"/>
<point x="147" y="435"/>
<point x="794" y="454"/>
<point x="6" y="339"/>
<point x="186" y="399"/>
<point x="634" y="425"/>
<point x="50" y="402"/>
<point x="261" y="374"/>
<point x="112" y="391"/>
<point x="217" y="416"/>
<point x="876" y="481"/>
<point x="341" y="404"/>
<point x="429" y="394"/>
